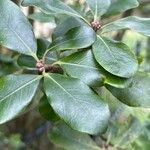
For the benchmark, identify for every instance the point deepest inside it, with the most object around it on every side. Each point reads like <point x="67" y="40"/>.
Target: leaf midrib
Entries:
<point x="96" y="10"/>
<point x="18" y="36"/>
<point x="19" y="88"/>
<point x="76" y="100"/>
<point x="81" y="37"/>
<point x="82" y="66"/>
<point x="108" y="49"/>
<point x="65" y="12"/>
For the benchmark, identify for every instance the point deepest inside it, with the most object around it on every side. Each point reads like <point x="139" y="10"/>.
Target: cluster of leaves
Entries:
<point x="79" y="59"/>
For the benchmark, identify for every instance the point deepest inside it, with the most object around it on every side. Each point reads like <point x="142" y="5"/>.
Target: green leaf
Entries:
<point x="52" y="6"/>
<point x="66" y="138"/>
<point x="28" y="61"/>
<point x="98" y="7"/>
<point x="138" y="94"/>
<point x="51" y="57"/>
<point x="83" y="66"/>
<point x="116" y="81"/>
<point x="15" y="30"/>
<point x="115" y="57"/>
<point x="140" y="25"/>
<point x="16" y="92"/>
<point x="76" y="104"/>
<point x="46" y="110"/>
<point x="75" y="38"/>
<point x="42" y="17"/>
<point x="42" y="45"/>
<point x="119" y="6"/>
<point x="66" y="25"/>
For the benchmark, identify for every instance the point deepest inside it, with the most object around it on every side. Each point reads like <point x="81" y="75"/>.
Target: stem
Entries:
<point x="85" y="21"/>
<point x="35" y="57"/>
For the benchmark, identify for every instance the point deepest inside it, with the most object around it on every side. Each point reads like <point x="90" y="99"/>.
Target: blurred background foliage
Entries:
<point x="129" y="128"/>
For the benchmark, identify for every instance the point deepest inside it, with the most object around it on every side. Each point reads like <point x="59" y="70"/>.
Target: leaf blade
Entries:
<point x="115" y="57"/>
<point x="11" y="34"/>
<point x="75" y="38"/>
<point x="83" y="66"/>
<point x="122" y="5"/>
<point x="66" y="25"/>
<point x="140" y="25"/>
<point x="11" y="94"/>
<point x="137" y="94"/>
<point x="75" y="103"/>
<point x="49" y="6"/>
<point x="65" y="137"/>
<point x="98" y="7"/>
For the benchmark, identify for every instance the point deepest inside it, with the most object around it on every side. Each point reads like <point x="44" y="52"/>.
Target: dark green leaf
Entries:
<point x="42" y="17"/>
<point x="119" y="6"/>
<point x="16" y="92"/>
<point x="66" y="25"/>
<point x="42" y="45"/>
<point x="26" y="61"/>
<point x="52" y="6"/>
<point x="76" y="104"/>
<point x="46" y="110"/>
<point x="15" y="30"/>
<point x="98" y="7"/>
<point x="66" y="138"/>
<point x="82" y="65"/>
<point x="6" y="58"/>
<point x="138" y="94"/>
<point x="116" y="81"/>
<point x="51" y="57"/>
<point x="134" y="23"/>
<point x="75" y="38"/>
<point x="115" y="57"/>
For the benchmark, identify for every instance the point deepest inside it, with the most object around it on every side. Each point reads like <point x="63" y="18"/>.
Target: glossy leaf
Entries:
<point x="42" y="45"/>
<point x="76" y="104"/>
<point x="140" y="25"/>
<point x="138" y="94"/>
<point x="16" y="92"/>
<point x="15" y="30"/>
<point x="42" y="17"/>
<point x="51" y="57"/>
<point x="64" y="137"/>
<point x="83" y="66"/>
<point x="116" y="81"/>
<point x="52" y="6"/>
<point x="46" y="110"/>
<point x="119" y="6"/>
<point x="28" y="61"/>
<point x="98" y="7"/>
<point x="115" y="57"/>
<point x="66" y="25"/>
<point x="75" y="38"/>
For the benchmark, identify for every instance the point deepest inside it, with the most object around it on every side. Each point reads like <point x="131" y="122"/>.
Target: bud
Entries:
<point x="40" y="66"/>
<point x="96" y="25"/>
